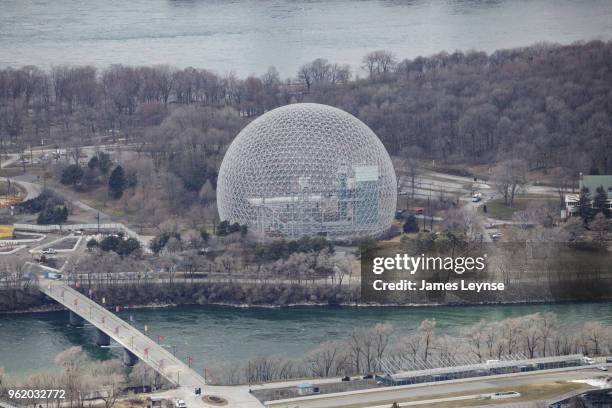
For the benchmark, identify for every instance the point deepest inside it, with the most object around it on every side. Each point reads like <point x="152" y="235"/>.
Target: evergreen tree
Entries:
<point x="410" y="225"/>
<point x="93" y="163"/>
<point x="600" y="201"/>
<point x="116" y="183"/>
<point x="92" y="243"/>
<point x="584" y="204"/>
<point x="72" y="174"/>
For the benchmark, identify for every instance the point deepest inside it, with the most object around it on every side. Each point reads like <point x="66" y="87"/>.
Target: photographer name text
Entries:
<point x="409" y="285"/>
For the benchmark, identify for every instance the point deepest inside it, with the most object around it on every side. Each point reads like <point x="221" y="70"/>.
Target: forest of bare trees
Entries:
<point x="548" y="104"/>
<point x="83" y="381"/>
<point x="535" y="335"/>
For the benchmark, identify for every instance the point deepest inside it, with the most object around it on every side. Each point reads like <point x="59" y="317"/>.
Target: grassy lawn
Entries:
<point x="14" y="188"/>
<point x="529" y="392"/>
<point x="497" y="209"/>
<point x="11" y="171"/>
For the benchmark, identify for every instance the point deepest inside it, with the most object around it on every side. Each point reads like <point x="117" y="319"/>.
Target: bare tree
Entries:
<point x="110" y="381"/>
<point x="510" y="178"/>
<point x="379" y="62"/>
<point x="325" y="359"/>
<point x="426" y="332"/>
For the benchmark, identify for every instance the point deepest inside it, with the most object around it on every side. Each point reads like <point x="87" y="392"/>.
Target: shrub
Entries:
<point x="72" y="174"/>
<point x="116" y="183"/>
<point x="159" y="241"/>
<point x="52" y="214"/>
<point x="118" y="244"/>
<point x="225" y="228"/>
<point x="410" y="225"/>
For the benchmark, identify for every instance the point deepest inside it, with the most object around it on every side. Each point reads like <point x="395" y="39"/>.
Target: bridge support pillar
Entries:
<point x="129" y="358"/>
<point x="102" y="339"/>
<point x="76" y="320"/>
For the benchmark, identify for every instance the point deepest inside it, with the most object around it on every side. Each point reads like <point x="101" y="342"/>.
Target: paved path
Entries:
<point x="374" y="397"/>
<point x="32" y="190"/>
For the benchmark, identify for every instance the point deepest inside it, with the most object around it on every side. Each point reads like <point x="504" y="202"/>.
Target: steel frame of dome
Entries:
<point x="308" y="170"/>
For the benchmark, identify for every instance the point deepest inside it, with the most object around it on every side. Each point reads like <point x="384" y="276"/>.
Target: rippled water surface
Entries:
<point x="247" y="36"/>
<point x="29" y="342"/>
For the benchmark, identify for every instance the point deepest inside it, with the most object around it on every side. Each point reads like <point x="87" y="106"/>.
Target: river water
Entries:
<point x="247" y="36"/>
<point x="29" y="342"/>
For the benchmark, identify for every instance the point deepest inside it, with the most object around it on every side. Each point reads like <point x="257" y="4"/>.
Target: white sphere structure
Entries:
<point x="308" y="170"/>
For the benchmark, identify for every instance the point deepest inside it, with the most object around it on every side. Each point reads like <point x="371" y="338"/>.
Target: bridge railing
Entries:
<point x="168" y="365"/>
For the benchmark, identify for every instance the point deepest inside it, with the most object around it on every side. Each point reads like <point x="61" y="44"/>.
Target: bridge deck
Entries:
<point x="123" y="333"/>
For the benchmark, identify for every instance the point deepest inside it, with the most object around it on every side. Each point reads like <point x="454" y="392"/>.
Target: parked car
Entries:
<point x="180" y="404"/>
<point x="603" y="368"/>
<point x="588" y="360"/>
<point x="49" y="251"/>
<point x="417" y="210"/>
<point x="495" y="235"/>
<point x="53" y="275"/>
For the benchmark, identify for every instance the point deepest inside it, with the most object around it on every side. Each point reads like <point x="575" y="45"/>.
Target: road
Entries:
<point x="432" y="401"/>
<point x="378" y="396"/>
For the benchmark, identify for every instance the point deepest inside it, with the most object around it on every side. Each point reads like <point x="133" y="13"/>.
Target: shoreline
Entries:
<point x="58" y="308"/>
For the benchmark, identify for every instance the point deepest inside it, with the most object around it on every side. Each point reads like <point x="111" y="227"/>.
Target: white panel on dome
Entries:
<point x="366" y="173"/>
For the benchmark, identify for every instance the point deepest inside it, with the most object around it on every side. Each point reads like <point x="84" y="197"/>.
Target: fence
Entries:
<point x="110" y="226"/>
<point x="512" y="365"/>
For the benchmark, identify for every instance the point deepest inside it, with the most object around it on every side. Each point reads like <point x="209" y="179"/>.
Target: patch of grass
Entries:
<point x="99" y="205"/>
<point x="15" y="188"/>
<point x="11" y="171"/>
<point x="529" y="392"/>
<point x="499" y="210"/>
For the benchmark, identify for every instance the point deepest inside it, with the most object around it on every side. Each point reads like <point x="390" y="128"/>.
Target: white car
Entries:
<point x="49" y="251"/>
<point x="180" y="404"/>
<point x="54" y="276"/>
<point x="603" y="368"/>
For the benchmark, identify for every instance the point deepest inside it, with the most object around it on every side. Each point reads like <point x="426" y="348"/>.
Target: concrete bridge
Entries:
<point x="109" y="326"/>
<point x="137" y="346"/>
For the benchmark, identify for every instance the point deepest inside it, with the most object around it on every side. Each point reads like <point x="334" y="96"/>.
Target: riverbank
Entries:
<point x="268" y="296"/>
<point x="175" y="294"/>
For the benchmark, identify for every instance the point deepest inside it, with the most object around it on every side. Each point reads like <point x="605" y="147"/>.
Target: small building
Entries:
<point x="307" y="389"/>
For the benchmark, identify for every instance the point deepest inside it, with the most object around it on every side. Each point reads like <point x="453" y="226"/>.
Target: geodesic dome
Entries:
<point x="305" y="170"/>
